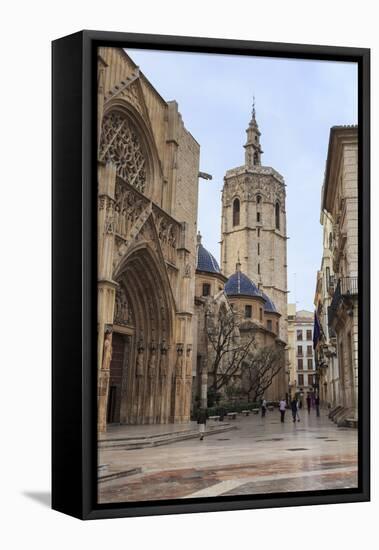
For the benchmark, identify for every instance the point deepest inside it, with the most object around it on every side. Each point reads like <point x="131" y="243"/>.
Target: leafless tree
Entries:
<point x="260" y="369"/>
<point x="229" y="352"/>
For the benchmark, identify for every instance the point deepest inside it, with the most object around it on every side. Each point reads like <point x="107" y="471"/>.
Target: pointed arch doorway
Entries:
<point x="141" y="367"/>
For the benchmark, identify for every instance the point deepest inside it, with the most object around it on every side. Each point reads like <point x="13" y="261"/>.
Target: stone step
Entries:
<point x="155" y="440"/>
<point x="351" y="422"/>
<point x="335" y="411"/>
<point x="116" y="475"/>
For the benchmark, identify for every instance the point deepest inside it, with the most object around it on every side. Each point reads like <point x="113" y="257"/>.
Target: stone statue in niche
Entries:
<point x="122" y="310"/>
<point x="179" y="361"/>
<point x="163" y="359"/>
<point x="152" y="360"/>
<point x="139" y="366"/>
<point x="107" y="350"/>
<point x="188" y="361"/>
<point x="140" y="358"/>
<point x="187" y="271"/>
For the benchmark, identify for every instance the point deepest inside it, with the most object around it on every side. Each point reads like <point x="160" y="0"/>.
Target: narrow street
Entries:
<point x="261" y="455"/>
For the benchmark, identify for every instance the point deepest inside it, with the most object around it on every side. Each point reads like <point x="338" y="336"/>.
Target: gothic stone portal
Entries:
<point x="141" y="375"/>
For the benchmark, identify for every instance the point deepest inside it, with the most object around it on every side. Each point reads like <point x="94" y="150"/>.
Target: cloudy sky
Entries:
<point x="296" y="104"/>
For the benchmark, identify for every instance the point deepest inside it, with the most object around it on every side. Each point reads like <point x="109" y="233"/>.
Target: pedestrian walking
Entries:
<point x="263" y="407"/>
<point x="295" y="409"/>
<point x="317" y="403"/>
<point x="282" y="409"/>
<point x="202" y="420"/>
<point x="309" y="403"/>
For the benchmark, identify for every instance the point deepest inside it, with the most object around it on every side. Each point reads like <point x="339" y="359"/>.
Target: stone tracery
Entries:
<point x="121" y="145"/>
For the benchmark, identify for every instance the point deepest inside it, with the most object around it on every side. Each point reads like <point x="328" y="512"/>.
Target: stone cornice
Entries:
<point x="339" y="137"/>
<point x="255" y="170"/>
<point x="218" y="276"/>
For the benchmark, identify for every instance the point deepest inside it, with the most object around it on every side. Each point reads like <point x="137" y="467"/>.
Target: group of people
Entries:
<point x="294" y="405"/>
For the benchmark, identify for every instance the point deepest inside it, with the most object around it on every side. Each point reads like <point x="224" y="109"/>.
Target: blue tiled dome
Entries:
<point x="269" y="305"/>
<point x="240" y="284"/>
<point x="205" y="261"/>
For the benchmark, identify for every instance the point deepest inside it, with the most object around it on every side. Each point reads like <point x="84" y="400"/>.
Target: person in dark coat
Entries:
<point x="309" y="403"/>
<point x="202" y="420"/>
<point x="317" y="403"/>
<point x="295" y="410"/>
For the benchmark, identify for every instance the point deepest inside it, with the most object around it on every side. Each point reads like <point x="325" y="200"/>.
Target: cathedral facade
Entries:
<point x="158" y="287"/>
<point x="148" y="166"/>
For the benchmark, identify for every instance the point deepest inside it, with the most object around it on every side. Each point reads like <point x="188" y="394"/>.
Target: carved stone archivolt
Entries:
<point x="121" y="145"/>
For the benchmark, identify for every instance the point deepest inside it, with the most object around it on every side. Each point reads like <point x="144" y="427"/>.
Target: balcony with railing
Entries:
<point x="349" y="286"/>
<point x="346" y="287"/>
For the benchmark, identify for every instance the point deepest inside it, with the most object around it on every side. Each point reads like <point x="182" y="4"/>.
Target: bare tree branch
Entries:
<point x="229" y="351"/>
<point x="260" y="369"/>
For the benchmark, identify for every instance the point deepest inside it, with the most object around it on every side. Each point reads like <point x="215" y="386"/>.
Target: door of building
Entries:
<point x="115" y="379"/>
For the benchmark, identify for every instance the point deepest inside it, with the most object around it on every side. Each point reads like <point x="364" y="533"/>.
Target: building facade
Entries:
<point x="326" y="351"/>
<point x="148" y="166"/>
<point x="291" y="347"/>
<point x="302" y="354"/>
<point x="340" y="205"/>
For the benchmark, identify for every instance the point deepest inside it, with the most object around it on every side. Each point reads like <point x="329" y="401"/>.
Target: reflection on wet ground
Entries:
<point x="261" y="456"/>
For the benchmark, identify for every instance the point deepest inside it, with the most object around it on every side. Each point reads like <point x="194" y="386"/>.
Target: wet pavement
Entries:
<point x="261" y="456"/>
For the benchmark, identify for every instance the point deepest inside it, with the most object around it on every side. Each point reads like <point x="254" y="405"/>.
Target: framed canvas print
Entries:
<point x="210" y="274"/>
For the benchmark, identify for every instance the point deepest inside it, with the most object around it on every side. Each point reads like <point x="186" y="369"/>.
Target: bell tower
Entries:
<point x="253" y="225"/>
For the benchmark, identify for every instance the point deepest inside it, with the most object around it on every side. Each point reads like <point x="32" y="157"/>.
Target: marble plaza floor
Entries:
<point x="261" y="456"/>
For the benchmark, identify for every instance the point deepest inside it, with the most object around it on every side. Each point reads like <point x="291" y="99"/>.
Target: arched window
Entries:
<point x="259" y="198"/>
<point x="277" y="215"/>
<point x="236" y="212"/>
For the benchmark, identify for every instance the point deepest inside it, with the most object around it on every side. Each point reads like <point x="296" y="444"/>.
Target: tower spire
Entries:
<point x="238" y="264"/>
<point x="252" y="146"/>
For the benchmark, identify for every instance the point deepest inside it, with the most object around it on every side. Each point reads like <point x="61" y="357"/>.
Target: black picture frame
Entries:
<point x="74" y="436"/>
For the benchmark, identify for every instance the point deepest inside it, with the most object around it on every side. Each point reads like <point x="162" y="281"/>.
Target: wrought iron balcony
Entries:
<point x="346" y="287"/>
<point x="349" y="286"/>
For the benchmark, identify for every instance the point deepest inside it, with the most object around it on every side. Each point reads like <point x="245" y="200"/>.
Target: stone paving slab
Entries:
<point x="255" y="458"/>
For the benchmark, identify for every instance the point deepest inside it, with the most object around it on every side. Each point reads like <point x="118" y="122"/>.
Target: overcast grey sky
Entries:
<point x="296" y="104"/>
